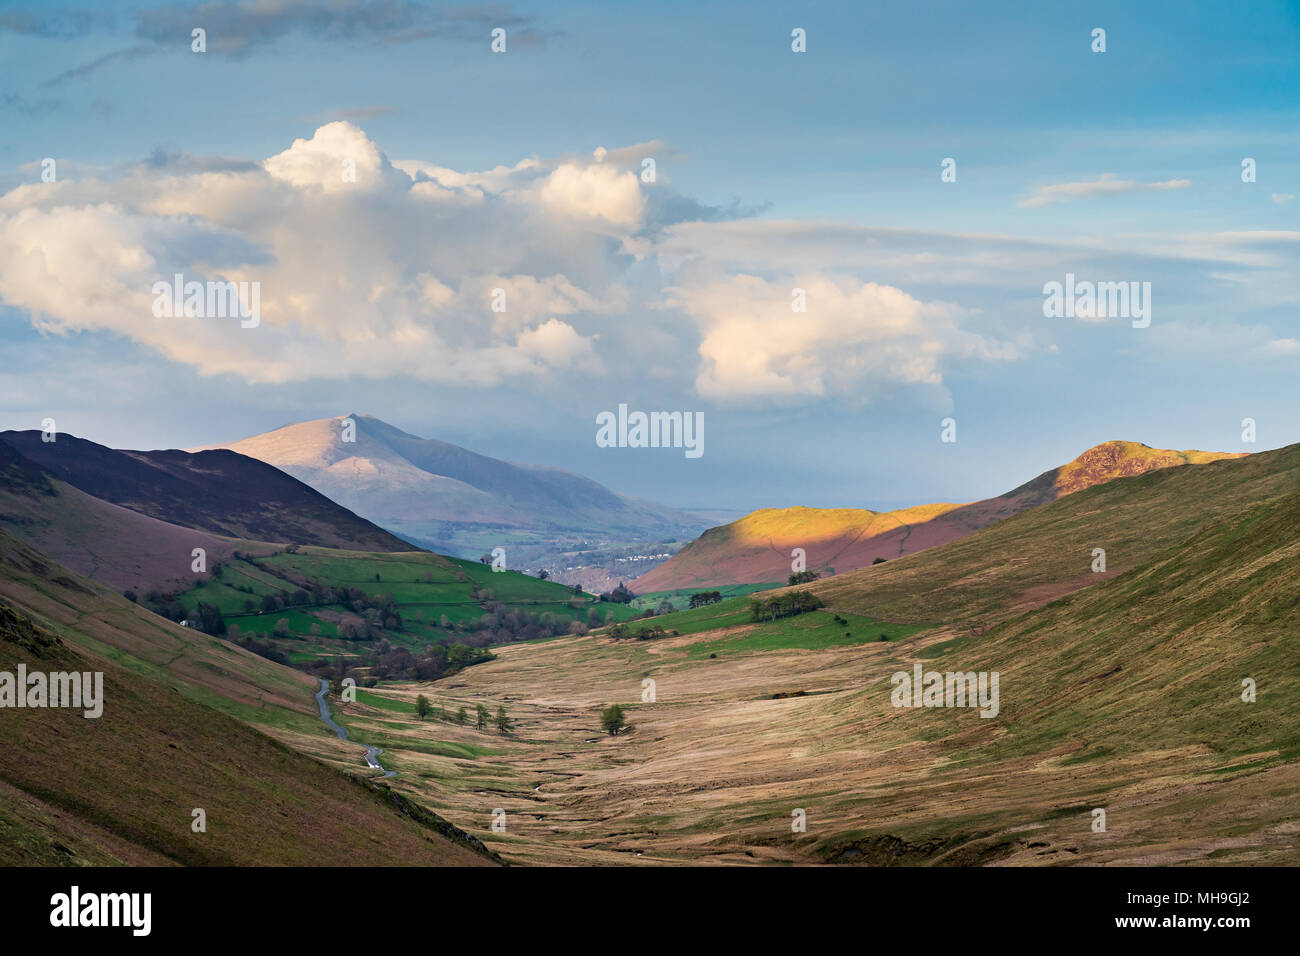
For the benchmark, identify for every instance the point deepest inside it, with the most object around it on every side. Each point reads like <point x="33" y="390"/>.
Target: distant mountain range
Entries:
<point x="454" y="500"/>
<point x="757" y="548"/>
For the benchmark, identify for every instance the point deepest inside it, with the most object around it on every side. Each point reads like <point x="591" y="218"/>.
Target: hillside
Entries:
<point x="120" y="789"/>
<point x="113" y="545"/>
<point x="757" y="548"/>
<point x="1047" y="552"/>
<point x="219" y="492"/>
<point x="1125" y="695"/>
<point x="426" y="599"/>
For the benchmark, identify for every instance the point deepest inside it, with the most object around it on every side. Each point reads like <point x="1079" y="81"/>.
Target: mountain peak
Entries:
<point x="1122" y="459"/>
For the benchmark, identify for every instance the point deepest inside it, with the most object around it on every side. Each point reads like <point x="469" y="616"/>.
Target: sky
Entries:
<point x="774" y="170"/>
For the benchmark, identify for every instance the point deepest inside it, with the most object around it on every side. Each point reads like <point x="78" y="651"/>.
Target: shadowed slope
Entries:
<point x="121" y="788"/>
<point x="220" y="492"/>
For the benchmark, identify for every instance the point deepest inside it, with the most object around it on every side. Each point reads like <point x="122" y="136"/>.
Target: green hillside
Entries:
<point x="122" y="788"/>
<point x="1048" y="551"/>
<point x="334" y="602"/>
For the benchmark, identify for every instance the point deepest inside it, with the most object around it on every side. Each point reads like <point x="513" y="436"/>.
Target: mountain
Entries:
<point x="219" y="492"/>
<point x="188" y="721"/>
<point x="458" y="501"/>
<point x="757" y="548"/>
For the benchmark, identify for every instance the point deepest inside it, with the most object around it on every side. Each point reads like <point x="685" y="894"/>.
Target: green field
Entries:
<point x="680" y="598"/>
<point x="432" y="593"/>
<point x="737" y="632"/>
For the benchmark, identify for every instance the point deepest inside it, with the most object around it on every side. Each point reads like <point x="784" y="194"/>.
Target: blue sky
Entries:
<point x="775" y="169"/>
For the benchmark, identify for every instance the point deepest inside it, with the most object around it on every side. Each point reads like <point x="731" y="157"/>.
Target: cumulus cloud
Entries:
<point x="1107" y="185"/>
<point x="361" y="271"/>
<point x="855" y="337"/>
<point x="519" y="274"/>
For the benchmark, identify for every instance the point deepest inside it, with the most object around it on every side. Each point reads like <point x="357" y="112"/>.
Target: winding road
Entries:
<point x="372" y="753"/>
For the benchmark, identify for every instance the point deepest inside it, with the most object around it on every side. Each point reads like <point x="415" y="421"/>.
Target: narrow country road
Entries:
<point x="372" y="753"/>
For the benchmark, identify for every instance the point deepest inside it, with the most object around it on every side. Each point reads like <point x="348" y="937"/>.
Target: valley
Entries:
<point x="750" y="737"/>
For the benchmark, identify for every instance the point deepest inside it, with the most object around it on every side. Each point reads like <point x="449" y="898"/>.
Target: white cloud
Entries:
<point x="361" y="278"/>
<point x="1107" y="185"/>
<point x="594" y="192"/>
<point x="393" y="276"/>
<point x="1283" y="198"/>
<point x="856" y="338"/>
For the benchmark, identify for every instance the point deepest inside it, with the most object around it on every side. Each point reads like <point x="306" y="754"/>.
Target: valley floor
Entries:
<point x="714" y="768"/>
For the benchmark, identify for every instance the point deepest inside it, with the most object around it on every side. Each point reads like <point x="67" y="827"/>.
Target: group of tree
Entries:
<point x="620" y="595"/>
<point x="803" y="577"/>
<point x="387" y="662"/>
<point x="621" y="632"/>
<point x="504" y="724"/>
<point x="705" y="598"/>
<point x="785" y="605"/>
<point x="504" y="625"/>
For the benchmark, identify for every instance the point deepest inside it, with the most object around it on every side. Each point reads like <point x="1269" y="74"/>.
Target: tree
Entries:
<point x="461" y="716"/>
<point x="422" y="707"/>
<point x="481" y="717"/>
<point x="504" y="726"/>
<point x="612" y="720"/>
<point x="785" y="605"/>
<point x="210" y="619"/>
<point x="543" y="574"/>
<point x="878" y="561"/>
<point x="803" y="577"/>
<point x="281" y="628"/>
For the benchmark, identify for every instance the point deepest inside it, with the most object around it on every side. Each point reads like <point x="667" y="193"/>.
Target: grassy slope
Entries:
<point x="1047" y="552"/>
<point x="425" y="586"/>
<point x="109" y="791"/>
<point x="121" y="788"/>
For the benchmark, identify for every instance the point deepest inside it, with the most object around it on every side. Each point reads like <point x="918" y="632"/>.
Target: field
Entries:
<point x="680" y="598"/>
<point x="432" y="593"/>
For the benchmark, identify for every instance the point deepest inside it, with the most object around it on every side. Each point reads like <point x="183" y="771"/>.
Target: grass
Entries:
<point x="123" y="785"/>
<point x="680" y="598"/>
<point x="425" y="587"/>
<point x="815" y="630"/>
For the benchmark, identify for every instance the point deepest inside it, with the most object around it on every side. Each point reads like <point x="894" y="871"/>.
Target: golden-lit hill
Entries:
<point x="757" y="548"/>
